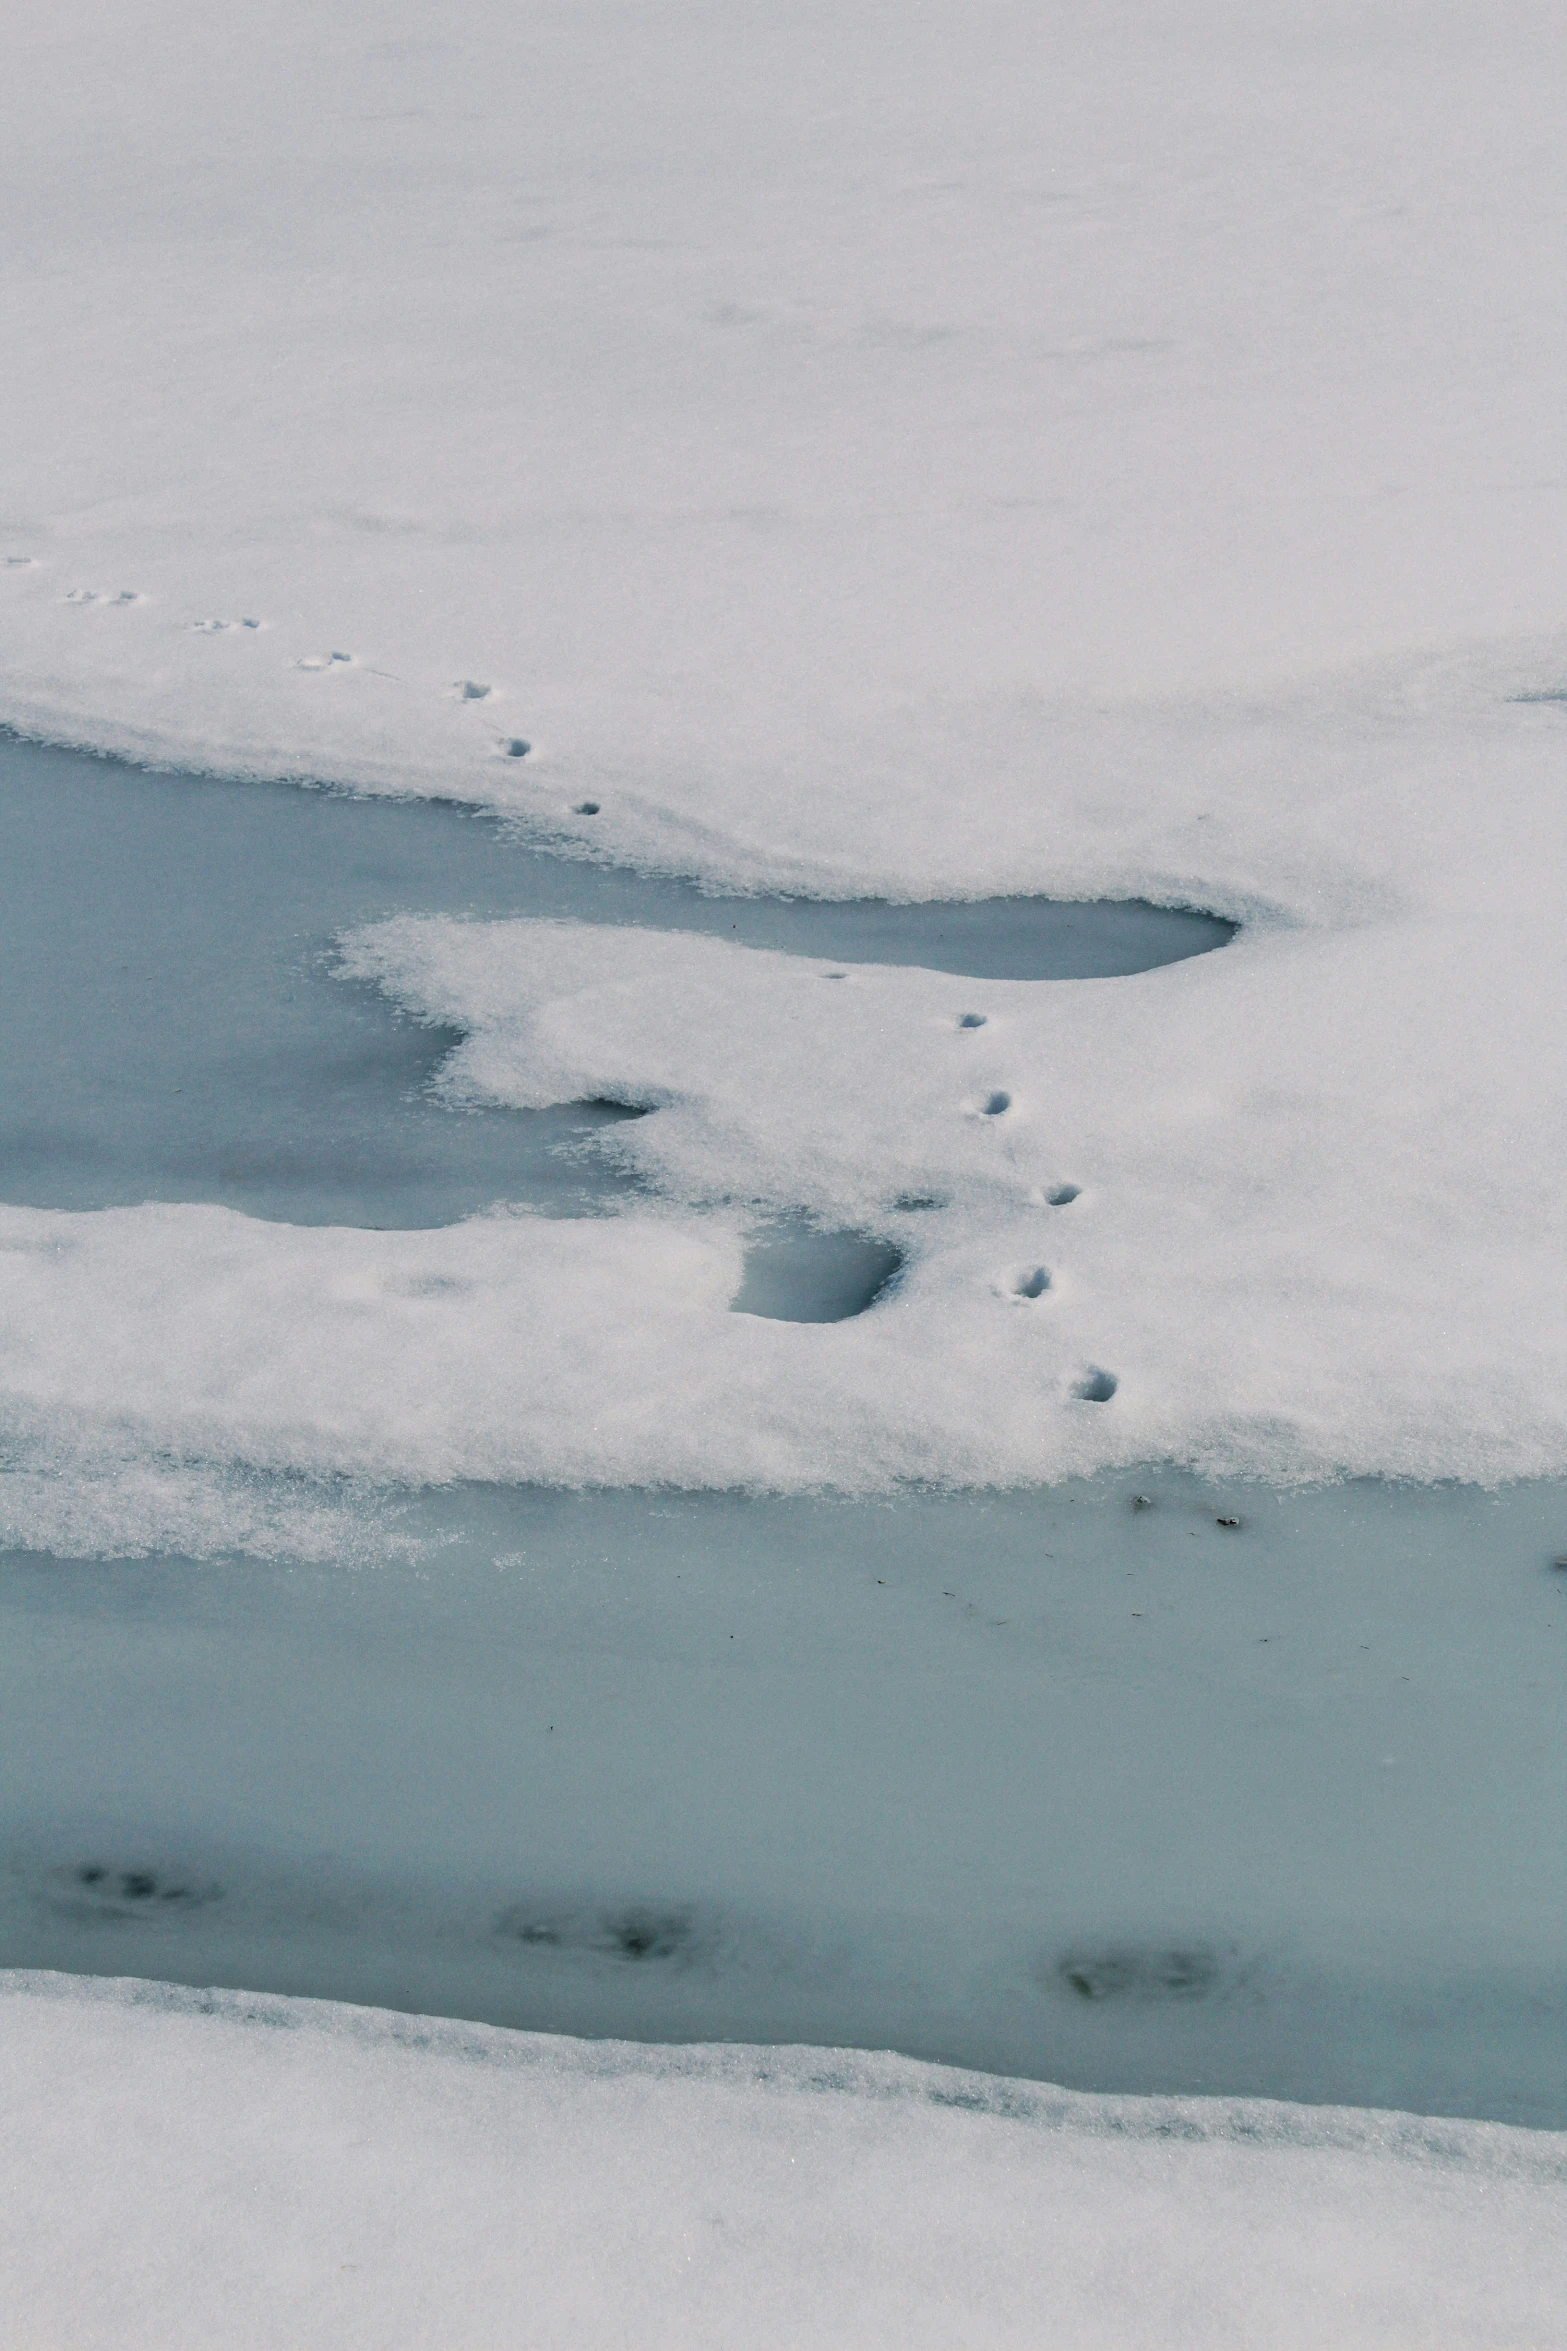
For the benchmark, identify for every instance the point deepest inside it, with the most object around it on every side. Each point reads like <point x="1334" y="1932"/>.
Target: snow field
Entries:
<point x="188" y="2169"/>
<point x="1102" y="454"/>
<point x="782" y="422"/>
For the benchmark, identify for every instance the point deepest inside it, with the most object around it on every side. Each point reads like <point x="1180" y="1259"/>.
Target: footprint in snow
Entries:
<point x="102" y="596"/>
<point x="469" y="690"/>
<point x="326" y="661"/>
<point x="218" y="628"/>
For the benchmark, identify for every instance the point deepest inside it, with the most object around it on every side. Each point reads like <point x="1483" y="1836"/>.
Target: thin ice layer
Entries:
<point x="1138" y="1785"/>
<point x="185" y="2169"/>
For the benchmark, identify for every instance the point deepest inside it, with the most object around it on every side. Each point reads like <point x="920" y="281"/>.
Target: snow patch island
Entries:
<point x="1284" y="1209"/>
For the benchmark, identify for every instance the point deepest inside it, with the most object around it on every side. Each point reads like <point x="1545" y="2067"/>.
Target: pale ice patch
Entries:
<point x="181" y="2169"/>
<point x="1142" y="1784"/>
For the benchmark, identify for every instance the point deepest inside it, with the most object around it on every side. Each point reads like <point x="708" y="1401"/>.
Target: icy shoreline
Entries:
<point x="182" y="2169"/>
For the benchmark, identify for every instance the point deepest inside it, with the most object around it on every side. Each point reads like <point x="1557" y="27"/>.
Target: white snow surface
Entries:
<point x="183" y="2169"/>
<point x="949" y="451"/>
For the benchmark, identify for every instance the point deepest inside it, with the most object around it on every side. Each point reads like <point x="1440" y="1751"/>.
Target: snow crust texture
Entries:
<point x="184" y="2169"/>
<point x="1099" y="453"/>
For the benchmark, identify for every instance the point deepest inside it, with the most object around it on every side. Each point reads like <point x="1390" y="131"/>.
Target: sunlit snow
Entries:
<point x="234" y="2169"/>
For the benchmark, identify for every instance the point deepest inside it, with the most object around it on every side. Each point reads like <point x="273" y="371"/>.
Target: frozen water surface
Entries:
<point x="1143" y="1787"/>
<point x="1139" y="1785"/>
<point x="796" y="1273"/>
<point x="172" y="1030"/>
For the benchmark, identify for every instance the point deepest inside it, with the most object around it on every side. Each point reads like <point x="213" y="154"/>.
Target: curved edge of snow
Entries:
<point x="184" y="2167"/>
<point x="805" y="2070"/>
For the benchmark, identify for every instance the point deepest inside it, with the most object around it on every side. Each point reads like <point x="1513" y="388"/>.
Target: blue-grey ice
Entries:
<point x="172" y="1029"/>
<point x="1138" y="1785"/>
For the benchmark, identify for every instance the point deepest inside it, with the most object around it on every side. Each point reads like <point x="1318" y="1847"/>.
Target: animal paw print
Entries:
<point x="101" y="596"/>
<point x="218" y="628"/>
<point x="101" y="1890"/>
<point x="324" y="661"/>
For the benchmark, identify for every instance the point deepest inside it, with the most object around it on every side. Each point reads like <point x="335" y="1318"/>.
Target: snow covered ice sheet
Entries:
<point x="1100" y="454"/>
<point x="180" y="2171"/>
<point x="966" y="453"/>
